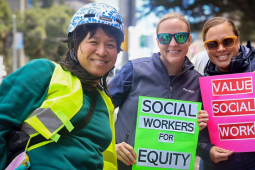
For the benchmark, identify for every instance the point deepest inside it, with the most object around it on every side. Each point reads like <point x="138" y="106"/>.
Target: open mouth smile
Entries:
<point x="99" y="62"/>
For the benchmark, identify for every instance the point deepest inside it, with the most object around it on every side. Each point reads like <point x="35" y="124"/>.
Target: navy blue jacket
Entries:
<point x="148" y="77"/>
<point x="243" y="62"/>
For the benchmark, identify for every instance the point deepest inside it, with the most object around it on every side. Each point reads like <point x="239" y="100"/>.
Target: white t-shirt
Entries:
<point x="200" y="60"/>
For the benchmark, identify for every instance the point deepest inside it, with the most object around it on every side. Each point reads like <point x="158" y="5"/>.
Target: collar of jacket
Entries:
<point x="186" y="66"/>
<point x="238" y="62"/>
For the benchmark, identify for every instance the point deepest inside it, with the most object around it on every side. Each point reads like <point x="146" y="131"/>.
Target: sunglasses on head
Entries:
<point x="180" y="37"/>
<point x="226" y="42"/>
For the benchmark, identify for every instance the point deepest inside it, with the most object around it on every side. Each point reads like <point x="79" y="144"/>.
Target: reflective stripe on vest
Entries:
<point x="110" y="156"/>
<point x="57" y="109"/>
<point x="49" y="118"/>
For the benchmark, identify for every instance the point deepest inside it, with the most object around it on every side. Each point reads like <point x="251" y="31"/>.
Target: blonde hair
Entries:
<point x="217" y="21"/>
<point x="172" y="16"/>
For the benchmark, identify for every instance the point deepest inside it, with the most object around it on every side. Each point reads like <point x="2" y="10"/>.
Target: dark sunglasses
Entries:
<point x="227" y="42"/>
<point x="180" y="37"/>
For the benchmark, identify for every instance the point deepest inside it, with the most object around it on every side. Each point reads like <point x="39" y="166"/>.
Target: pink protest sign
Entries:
<point x="230" y="102"/>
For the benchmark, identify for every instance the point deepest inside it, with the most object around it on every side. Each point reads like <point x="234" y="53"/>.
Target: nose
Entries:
<point x="101" y="51"/>
<point x="173" y="42"/>
<point x="221" y="48"/>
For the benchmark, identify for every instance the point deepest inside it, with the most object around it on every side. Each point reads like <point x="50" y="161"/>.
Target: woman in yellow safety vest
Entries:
<point x="43" y="98"/>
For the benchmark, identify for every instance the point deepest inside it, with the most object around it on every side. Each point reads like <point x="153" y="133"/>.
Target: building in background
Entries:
<point x="20" y="5"/>
<point x="2" y="69"/>
<point x="76" y="4"/>
<point x="17" y="45"/>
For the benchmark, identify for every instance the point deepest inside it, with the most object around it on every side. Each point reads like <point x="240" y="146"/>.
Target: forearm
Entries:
<point x="204" y="145"/>
<point x="20" y="93"/>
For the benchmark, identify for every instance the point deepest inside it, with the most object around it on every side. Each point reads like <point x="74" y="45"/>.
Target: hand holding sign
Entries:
<point x="167" y="133"/>
<point x="218" y="154"/>
<point x="230" y="102"/>
<point x="125" y="153"/>
<point x="202" y="119"/>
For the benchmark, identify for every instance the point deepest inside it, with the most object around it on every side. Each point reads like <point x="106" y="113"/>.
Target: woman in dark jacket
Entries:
<point x="227" y="56"/>
<point x="167" y="74"/>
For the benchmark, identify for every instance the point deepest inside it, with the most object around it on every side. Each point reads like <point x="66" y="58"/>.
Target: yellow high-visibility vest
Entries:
<point x="58" y="108"/>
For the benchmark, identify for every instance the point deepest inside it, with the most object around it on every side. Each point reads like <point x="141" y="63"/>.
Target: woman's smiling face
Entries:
<point x="173" y="53"/>
<point x="222" y="56"/>
<point x="98" y="54"/>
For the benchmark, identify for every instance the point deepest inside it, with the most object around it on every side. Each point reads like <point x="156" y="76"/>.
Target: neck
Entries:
<point x="223" y="70"/>
<point x="95" y="84"/>
<point x="172" y="69"/>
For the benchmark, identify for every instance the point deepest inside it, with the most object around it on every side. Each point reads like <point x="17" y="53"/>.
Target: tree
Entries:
<point x="199" y="11"/>
<point x="56" y="27"/>
<point x="35" y="2"/>
<point x="5" y="28"/>
<point x="41" y="34"/>
<point x="47" y="3"/>
<point x="62" y="2"/>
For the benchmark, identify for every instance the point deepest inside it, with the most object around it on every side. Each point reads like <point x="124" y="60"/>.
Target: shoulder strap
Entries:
<point x="39" y="138"/>
<point x="89" y="115"/>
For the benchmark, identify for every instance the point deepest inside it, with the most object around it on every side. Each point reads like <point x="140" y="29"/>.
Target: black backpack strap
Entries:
<point x="89" y="115"/>
<point x="39" y="138"/>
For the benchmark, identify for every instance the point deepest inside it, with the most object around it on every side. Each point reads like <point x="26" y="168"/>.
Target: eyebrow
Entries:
<point x="111" y="40"/>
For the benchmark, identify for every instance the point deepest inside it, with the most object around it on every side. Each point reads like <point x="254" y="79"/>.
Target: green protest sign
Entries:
<point x="166" y="134"/>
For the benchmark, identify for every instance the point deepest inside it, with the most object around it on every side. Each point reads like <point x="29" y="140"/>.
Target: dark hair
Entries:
<point x="217" y="21"/>
<point x="71" y="63"/>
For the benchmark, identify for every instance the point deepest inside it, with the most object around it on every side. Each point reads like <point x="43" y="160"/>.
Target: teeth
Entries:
<point x="99" y="62"/>
<point x="173" y="51"/>
<point x="222" y="57"/>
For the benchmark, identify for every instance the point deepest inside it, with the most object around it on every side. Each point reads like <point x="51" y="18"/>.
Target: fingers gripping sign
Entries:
<point x="166" y="133"/>
<point x="126" y="153"/>
<point x="202" y="119"/>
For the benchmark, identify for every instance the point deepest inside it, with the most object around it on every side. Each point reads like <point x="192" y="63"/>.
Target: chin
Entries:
<point x="225" y="65"/>
<point x="96" y="74"/>
<point x="223" y="68"/>
<point x="176" y="60"/>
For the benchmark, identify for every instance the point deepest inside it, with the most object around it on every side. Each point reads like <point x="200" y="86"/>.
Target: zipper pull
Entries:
<point x="127" y="136"/>
<point x="171" y="89"/>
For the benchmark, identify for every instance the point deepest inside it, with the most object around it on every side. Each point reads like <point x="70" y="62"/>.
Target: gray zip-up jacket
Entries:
<point x="148" y="77"/>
